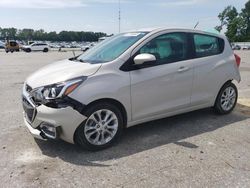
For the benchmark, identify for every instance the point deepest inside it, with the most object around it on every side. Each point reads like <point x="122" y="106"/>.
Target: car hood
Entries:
<point x="26" y="46"/>
<point x="61" y="71"/>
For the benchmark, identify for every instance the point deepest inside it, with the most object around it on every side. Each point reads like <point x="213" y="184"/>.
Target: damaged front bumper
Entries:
<point x="46" y="122"/>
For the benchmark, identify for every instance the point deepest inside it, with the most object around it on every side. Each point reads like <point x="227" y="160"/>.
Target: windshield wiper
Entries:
<point x="78" y="60"/>
<point x="82" y="61"/>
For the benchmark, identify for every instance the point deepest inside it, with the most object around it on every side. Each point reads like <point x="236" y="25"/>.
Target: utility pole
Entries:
<point x="119" y="16"/>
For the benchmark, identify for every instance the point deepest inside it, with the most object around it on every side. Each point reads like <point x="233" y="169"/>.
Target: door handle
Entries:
<point x="183" y="69"/>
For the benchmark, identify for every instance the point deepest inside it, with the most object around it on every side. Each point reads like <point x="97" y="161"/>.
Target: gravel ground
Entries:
<point x="197" y="149"/>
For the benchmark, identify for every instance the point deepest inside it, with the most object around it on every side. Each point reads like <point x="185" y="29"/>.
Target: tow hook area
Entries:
<point x="49" y="131"/>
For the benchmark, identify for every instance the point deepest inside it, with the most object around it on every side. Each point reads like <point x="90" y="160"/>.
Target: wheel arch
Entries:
<point x="114" y="102"/>
<point x="110" y="101"/>
<point x="228" y="81"/>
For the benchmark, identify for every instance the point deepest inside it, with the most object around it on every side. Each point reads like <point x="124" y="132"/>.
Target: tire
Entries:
<point x="45" y="50"/>
<point x="226" y="99"/>
<point x="105" y="110"/>
<point x="28" y="50"/>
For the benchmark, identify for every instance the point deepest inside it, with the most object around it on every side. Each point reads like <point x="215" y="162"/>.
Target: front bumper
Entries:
<point x="64" y="119"/>
<point x="35" y="132"/>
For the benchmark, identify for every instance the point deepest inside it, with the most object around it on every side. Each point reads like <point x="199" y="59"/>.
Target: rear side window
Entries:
<point x="206" y="45"/>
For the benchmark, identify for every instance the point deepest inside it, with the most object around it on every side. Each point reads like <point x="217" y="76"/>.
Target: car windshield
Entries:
<point x="111" y="48"/>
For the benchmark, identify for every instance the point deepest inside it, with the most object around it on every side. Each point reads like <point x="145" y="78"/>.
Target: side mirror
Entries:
<point x="143" y="58"/>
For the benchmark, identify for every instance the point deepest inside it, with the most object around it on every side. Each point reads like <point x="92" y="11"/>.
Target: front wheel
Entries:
<point x="226" y="99"/>
<point x="28" y="50"/>
<point x="45" y="50"/>
<point x="101" y="129"/>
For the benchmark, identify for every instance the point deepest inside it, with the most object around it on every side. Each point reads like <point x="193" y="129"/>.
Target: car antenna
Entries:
<point x="196" y="24"/>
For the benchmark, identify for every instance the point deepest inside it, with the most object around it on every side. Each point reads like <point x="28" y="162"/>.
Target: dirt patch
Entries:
<point x="243" y="106"/>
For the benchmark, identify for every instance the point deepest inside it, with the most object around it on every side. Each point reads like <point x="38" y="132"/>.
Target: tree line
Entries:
<point x="237" y="24"/>
<point x="31" y="34"/>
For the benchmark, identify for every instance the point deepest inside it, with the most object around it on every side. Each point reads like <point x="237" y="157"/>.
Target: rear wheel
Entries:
<point x="101" y="129"/>
<point x="226" y="99"/>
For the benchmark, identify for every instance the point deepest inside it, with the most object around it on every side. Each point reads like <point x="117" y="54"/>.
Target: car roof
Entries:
<point x="39" y="43"/>
<point x="156" y="30"/>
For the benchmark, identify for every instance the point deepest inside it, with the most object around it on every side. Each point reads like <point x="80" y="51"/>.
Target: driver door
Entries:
<point x="164" y="85"/>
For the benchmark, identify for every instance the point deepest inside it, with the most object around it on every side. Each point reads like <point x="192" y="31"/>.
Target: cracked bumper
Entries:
<point x="66" y="119"/>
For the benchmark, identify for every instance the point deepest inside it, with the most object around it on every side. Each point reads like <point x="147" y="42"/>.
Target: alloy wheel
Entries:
<point x="228" y="98"/>
<point x="101" y="127"/>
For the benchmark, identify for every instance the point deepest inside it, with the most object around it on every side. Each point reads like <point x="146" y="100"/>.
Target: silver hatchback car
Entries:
<point x="128" y="79"/>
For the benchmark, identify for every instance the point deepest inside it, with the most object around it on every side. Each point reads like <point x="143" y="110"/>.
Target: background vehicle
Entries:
<point x="2" y="45"/>
<point x="102" y="39"/>
<point x="245" y="47"/>
<point x="12" y="46"/>
<point x="36" y="47"/>
<point x="129" y="79"/>
<point x="30" y="42"/>
<point x="87" y="47"/>
<point x="236" y="47"/>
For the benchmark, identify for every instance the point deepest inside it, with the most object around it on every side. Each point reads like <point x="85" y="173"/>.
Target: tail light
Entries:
<point x="237" y="59"/>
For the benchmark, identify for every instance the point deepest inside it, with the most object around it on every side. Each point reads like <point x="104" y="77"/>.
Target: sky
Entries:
<point x="102" y="15"/>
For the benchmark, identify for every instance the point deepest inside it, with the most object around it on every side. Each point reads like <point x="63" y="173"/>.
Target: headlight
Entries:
<point x="55" y="91"/>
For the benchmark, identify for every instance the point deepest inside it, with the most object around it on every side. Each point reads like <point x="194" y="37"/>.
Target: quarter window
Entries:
<point x="167" y="48"/>
<point x="207" y="45"/>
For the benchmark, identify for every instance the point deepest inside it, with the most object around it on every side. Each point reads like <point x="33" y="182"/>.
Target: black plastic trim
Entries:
<point x="66" y="102"/>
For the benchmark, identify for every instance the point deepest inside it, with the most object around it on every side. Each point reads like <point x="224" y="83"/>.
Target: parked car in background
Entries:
<point x="30" y="42"/>
<point x="132" y="78"/>
<point x="36" y="47"/>
<point x="246" y="47"/>
<point x="2" y="45"/>
<point x="236" y="47"/>
<point x="102" y="39"/>
<point x="87" y="47"/>
<point x="54" y="45"/>
<point x="12" y="46"/>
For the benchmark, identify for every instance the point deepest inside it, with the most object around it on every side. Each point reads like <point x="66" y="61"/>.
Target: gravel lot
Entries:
<point x="198" y="149"/>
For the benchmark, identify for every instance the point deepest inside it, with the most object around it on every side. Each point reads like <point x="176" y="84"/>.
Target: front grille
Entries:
<point x="30" y="112"/>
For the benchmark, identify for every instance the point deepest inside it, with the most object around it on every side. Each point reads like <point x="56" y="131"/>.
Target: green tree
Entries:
<point x="245" y="15"/>
<point x="237" y="24"/>
<point x="230" y="19"/>
<point x="8" y="33"/>
<point x="30" y="34"/>
<point x="39" y="34"/>
<point x="25" y="34"/>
